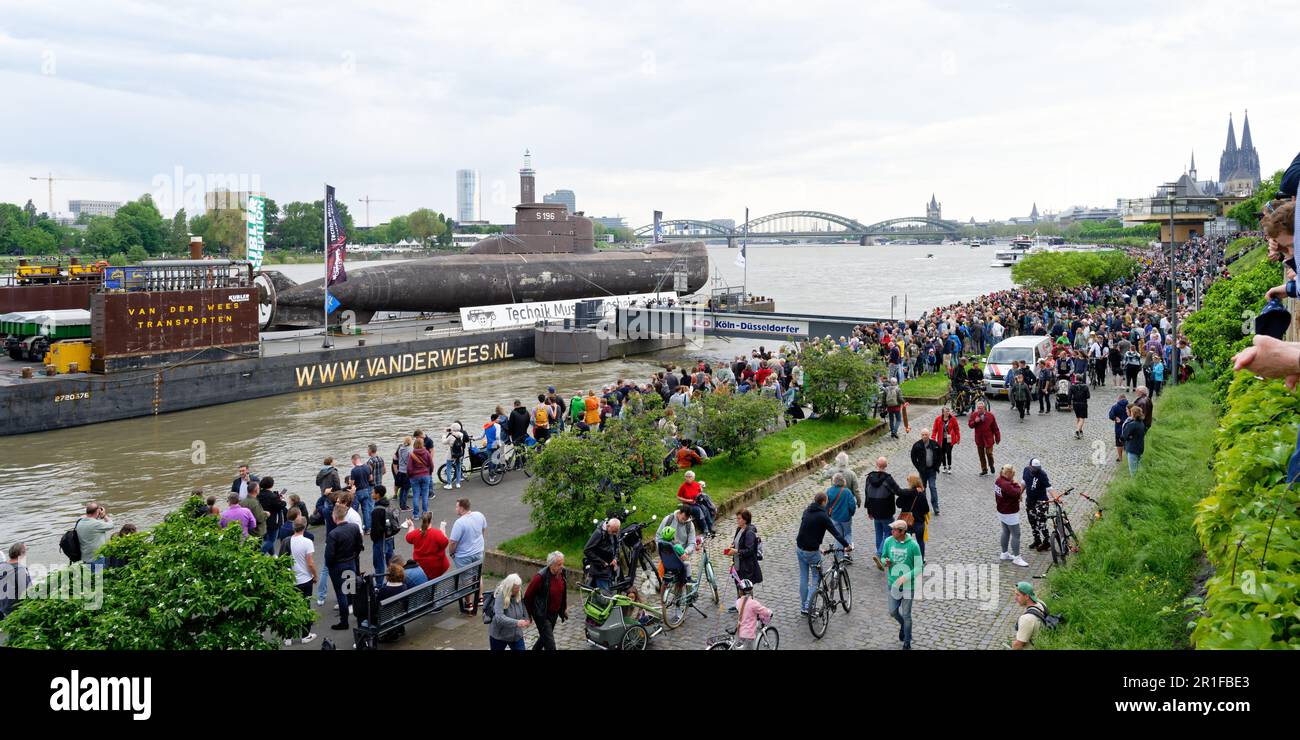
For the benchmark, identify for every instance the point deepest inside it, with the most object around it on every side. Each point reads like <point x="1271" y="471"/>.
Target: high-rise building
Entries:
<point x="469" y="203"/>
<point x="563" y="196"/>
<point x="611" y="222"/>
<point x="93" y="207"/>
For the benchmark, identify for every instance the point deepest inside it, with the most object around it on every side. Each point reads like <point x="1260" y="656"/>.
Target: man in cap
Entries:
<point x="1037" y="487"/>
<point x="901" y="556"/>
<point x="894" y="405"/>
<point x="1035" y="616"/>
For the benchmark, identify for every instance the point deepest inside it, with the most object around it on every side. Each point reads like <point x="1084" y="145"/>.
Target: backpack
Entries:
<point x="877" y="491"/>
<point x="758" y="543"/>
<point x="457" y="446"/>
<point x="391" y="525"/>
<point x="489" y="606"/>
<point x="1050" y="621"/>
<point x="543" y="416"/>
<point x="70" y="544"/>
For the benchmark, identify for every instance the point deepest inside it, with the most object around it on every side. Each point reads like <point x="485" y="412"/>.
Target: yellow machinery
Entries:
<point x="28" y="273"/>
<point x="92" y="271"/>
<point x="62" y="354"/>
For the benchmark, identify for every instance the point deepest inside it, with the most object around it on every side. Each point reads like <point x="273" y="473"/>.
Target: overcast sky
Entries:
<point x="697" y="109"/>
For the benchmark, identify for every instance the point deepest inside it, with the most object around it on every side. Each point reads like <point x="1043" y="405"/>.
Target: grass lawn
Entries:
<point x="1124" y="590"/>
<point x="1248" y="260"/>
<point x="777" y="452"/>
<point x="930" y="385"/>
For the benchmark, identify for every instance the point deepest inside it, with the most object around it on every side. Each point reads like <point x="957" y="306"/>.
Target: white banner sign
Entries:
<point x="757" y="326"/>
<point x="526" y="314"/>
<point x="256" y="233"/>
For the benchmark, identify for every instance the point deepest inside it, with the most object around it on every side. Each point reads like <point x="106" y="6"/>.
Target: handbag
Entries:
<point x="908" y="516"/>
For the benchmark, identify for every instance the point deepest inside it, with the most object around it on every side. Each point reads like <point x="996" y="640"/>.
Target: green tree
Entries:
<point x="178" y="237"/>
<point x="1246" y="212"/>
<point x="427" y="225"/>
<point x="1060" y="270"/>
<point x="102" y="236"/>
<point x="136" y="254"/>
<point x="12" y="223"/>
<point x="37" y="242"/>
<point x="839" y="382"/>
<point x="139" y="222"/>
<point x="188" y="584"/>
<point x="732" y="423"/>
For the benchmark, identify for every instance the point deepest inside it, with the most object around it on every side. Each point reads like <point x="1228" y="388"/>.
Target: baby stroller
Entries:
<point x="618" y="622"/>
<point x="1063" y="395"/>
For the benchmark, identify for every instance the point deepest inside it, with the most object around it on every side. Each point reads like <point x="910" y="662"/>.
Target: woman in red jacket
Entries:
<point x="947" y="432"/>
<point x="430" y="547"/>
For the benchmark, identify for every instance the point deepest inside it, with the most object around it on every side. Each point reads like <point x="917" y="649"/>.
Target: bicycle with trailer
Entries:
<point x="491" y="465"/>
<point x="616" y="621"/>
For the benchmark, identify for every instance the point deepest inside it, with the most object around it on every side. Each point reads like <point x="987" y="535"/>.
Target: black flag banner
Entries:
<point x="336" y="241"/>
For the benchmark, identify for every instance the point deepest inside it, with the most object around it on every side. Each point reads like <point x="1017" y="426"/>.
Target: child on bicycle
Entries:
<point x="749" y="612"/>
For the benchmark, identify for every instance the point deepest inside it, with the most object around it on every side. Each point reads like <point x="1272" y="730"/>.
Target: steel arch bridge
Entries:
<point x="806" y="224"/>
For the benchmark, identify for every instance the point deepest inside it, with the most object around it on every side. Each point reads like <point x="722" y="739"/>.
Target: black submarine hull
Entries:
<point x="448" y="283"/>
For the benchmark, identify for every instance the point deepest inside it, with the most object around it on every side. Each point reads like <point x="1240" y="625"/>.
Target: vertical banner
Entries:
<point x="659" y="227"/>
<point x="744" y="243"/>
<point x="335" y="241"/>
<point x="255" y="235"/>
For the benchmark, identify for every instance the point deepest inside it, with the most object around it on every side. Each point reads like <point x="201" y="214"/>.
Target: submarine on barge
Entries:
<point x="551" y="255"/>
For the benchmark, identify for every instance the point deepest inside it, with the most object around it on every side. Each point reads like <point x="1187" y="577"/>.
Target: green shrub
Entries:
<point x="1225" y="322"/>
<point x="839" y="382"/>
<point x="1060" y="270"/>
<point x="731" y="423"/>
<point x="186" y="584"/>
<point x="1250" y="524"/>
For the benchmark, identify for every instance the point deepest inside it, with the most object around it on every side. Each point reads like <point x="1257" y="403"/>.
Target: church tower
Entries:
<point x="1247" y="158"/>
<point x="934" y="210"/>
<point x="1228" y="160"/>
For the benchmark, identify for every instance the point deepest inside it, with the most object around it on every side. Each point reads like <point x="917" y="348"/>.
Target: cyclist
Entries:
<point x="749" y="613"/>
<point x="812" y="530"/>
<point x="677" y="543"/>
<point x="600" y="555"/>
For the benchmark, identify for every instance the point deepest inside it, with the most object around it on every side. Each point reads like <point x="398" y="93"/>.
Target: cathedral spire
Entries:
<point x="1231" y="146"/>
<point x="1246" y="143"/>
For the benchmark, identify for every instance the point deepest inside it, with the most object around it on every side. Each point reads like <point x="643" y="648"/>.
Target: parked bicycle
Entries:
<point x="1061" y="536"/>
<point x="677" y="598"/>
<point x="833" y="591"/>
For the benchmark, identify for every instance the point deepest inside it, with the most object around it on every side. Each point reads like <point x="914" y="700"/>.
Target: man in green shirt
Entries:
<point x="902" y="559"/>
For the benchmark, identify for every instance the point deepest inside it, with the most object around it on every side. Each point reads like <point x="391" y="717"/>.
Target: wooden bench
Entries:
<point x="385" y="617"/>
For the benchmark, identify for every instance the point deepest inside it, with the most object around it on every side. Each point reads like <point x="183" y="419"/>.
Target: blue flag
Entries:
<point x="331" y="303"/>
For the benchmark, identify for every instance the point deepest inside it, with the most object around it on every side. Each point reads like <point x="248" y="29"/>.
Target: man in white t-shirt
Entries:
<point x="996" y="331"/>
<point x="1029" y="623"/>
<point x="304" y="567"/>
<point x="465" y="543"/>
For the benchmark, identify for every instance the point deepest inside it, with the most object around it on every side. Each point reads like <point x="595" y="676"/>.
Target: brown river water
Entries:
<point x="139" y="469"/>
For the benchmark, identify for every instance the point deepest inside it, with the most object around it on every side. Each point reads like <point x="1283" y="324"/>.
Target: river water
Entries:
<point x="141" y="468"/>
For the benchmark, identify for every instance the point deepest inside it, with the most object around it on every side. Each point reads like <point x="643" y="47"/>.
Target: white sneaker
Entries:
<point x="311" y="636"/>
<point x="458" y="485"/>
<point x="447" y="487"/>
<point x="320" y="602"/>
<point x="288" y="642"/>
<point x="1020" y="561"/>
<point x="1006" y="556"/>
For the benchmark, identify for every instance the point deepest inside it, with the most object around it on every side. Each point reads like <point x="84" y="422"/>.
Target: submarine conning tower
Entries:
<point x="540" y="228"/>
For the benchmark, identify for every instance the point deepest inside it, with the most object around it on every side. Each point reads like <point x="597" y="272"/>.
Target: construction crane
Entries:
<point x="368" y="200"/>
<point x="50" y="179"/>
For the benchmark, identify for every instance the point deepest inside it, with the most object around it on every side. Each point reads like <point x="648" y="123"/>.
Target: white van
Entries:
<point x="1028" y="349"/>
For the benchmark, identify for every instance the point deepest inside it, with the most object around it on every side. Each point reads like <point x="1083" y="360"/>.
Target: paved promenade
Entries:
<point x="962" y="546"/>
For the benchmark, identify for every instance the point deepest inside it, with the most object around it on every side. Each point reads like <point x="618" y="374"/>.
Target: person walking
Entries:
<point x="987" y="434"/>
<point x="1119" y="414"/>
<point x="1037" y="487"/>
<point x="1046" y="386"/>
<point x="1134" y="436"/>
<point x="894" y="406"/>
<point x="1020" y="395"/>
<point x="419" y="466"/>
<point x="947" y="433"/>
<point x="926" y="458"/>
<point x="1079" y="395"/>
<point x="1007" y="493"/>
<point x="903" y="562"/>
<point x="1143" y="401"/>
<point x="813" y="527"/>
<point x="1132" y="365"/>
<point x="546" y="599"/>
<point x="881" y="491"/>
<point x="913" y="509"/>
<point x="842" y="504"/>
<point x="511" y="617"/>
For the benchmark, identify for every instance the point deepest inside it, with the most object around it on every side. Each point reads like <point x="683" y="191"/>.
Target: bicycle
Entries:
<point x="675" y="602"/>
<point x="1061" y="536"/>
<point x="834" y="587"/>
<point x="767" y="638"/>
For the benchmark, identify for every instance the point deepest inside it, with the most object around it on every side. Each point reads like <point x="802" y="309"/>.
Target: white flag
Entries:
<point x="740" y="256"/>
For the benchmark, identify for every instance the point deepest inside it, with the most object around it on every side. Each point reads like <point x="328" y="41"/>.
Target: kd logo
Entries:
<point x="199" y="452"/>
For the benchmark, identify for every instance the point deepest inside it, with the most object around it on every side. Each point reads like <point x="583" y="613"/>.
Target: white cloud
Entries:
<point x="698" y="109"/>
